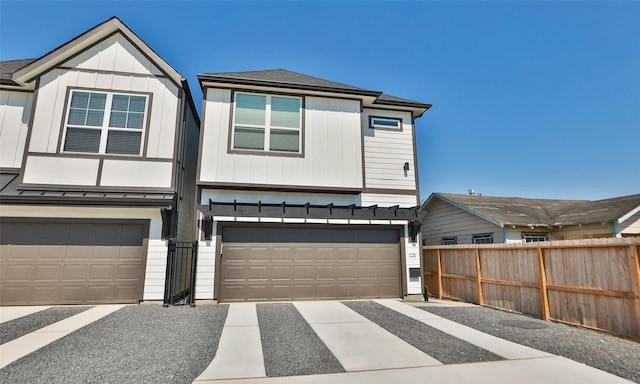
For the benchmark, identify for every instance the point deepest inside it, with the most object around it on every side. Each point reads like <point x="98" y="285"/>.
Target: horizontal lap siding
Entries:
<point x="445" y="220"/>
<point x="386" y="152"/>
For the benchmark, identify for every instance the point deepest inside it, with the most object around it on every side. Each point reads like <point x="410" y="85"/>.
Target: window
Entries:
<point x="267" y="123"/>
<point x="449" y="240"/>
<point x="385" y="123"/>
<point x="530" y="237"/>
<point x="483" y="238"/>
<point x="105" y="123"/>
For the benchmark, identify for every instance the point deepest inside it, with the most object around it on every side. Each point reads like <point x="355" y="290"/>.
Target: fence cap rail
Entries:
<point x="608" y="242"/>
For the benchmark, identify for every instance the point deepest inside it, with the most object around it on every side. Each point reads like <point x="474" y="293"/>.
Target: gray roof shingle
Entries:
<point x="7" y="68"/>
<point x="289" y="79"/>
<point x="525" y="211"/>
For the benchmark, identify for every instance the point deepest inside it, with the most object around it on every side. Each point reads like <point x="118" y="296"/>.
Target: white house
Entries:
<point x="97" y="137"/>
<point x="308" y="189"/>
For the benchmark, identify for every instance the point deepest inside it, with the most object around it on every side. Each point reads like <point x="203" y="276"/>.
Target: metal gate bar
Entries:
<point x="180" y="279"/>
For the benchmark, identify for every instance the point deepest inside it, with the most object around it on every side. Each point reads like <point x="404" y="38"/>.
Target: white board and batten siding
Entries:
<point x="114" y="65"/>
<point x="445" y="220"/>
<point x="386" y="152"/>
<point x="15" y="112"/>
<point x="156" y="249"/>
<point x="332" y="155"/>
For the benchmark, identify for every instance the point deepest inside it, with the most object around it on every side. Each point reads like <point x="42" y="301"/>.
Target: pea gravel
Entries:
<point x="289" y="344"/>
<point x="612" y="354"/>
<point x="136" y="344"/>
<point x="21" y="326"/>
<point x="441" y="346"/>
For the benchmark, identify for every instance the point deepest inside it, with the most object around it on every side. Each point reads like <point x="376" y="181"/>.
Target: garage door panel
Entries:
<point x="64" y="261"/>
<point x="16" y="273"/>
<point x="75" y="272"/>
<point x="292" y="267"/>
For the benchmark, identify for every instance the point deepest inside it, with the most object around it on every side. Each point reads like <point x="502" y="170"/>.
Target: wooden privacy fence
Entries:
<point x="593" y="283"/>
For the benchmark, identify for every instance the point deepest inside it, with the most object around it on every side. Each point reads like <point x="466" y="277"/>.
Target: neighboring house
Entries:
<point x="98" y="146"/>
<point x="308" y="189"/>
<point x="476" y="219"/>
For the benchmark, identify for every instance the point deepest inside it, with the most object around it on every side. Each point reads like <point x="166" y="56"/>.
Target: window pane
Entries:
<point x="97" y="101"/>
<point x="77" y="116"/>
<point x="135" y="120"/>
<point x="249" y="138"/>
<point x="82" y="140"/>
<point x="281" y="140"/>
<point x="79" y="100"/>
<point x="250" y="109"/>
<point x="124" y="142"/>
<point x="118" y="119"/>
<point x="94" y="118"/>
<point x="120" y="103"/>
<point x="285" y="112"/>
<point x="387" y="123"/>
<point x="136" y="103"/>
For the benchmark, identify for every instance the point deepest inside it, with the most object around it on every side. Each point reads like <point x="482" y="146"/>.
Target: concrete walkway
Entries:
<point x="370" y="354"/>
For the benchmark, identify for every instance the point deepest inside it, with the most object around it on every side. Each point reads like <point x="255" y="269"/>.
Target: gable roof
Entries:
<point x="31" y="70"/>
<point x="540" y="212"/>
<point x="288" y="79"/>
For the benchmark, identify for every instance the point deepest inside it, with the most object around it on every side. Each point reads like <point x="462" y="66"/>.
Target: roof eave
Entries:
<point x="223" y="80"/>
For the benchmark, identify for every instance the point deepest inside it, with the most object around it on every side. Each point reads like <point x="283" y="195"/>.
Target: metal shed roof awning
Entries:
<point x="310" y="211"/>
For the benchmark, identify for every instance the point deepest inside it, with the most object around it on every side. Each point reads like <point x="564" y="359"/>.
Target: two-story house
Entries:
<point x="97" y="166"/>
<point x="307" y="189"/>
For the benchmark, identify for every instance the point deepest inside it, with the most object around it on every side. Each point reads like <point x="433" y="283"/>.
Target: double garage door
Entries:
<point x="66" y="261"/>
<point x="309" y="263"/>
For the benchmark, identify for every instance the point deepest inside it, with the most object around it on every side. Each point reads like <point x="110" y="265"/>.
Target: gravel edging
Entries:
<point x="136" y="344"/>
<point x="441" y="346"/>
<point x="21" y="326"/>
<point x="612" y="354"/>
<point x="289" y="344"/>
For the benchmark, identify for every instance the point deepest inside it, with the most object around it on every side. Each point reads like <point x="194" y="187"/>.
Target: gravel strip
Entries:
<point x="21" y="326"/>
<point x="289" y="344"/>
<point x="441" y="346"/>
<point x="136" y="344"/>
<point x="615" y="355"/>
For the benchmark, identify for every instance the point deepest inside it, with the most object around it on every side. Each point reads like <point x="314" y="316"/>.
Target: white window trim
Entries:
<point x="396" y="120"/>
<point x="481" y="236"/>
<point x="267" y="127"/>
<point x="104" y="129"/>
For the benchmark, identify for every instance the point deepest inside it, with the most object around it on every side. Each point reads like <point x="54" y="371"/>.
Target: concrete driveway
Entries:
<point x="377" y="341"/>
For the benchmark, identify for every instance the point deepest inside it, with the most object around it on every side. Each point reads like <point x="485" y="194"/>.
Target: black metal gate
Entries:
<point x="180" y="281"/>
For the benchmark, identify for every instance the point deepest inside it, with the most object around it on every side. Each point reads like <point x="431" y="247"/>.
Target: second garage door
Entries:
<point x="309" y="263"/>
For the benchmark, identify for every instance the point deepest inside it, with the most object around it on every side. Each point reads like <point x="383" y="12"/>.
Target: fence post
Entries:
<point x="544" y="299"/>
<point x="168" y="280"/>
<point x="479" y="278"/>
<point x="635" y="259"/>
<point x="194" y="263"/>
<point x="439" y="275"/>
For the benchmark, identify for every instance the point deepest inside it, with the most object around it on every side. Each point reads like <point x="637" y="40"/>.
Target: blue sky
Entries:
<point x="530" y="98"/>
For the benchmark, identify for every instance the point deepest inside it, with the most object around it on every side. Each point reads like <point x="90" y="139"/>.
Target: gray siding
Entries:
<point x="187" y="165"/>
<point x="445" y="220"/>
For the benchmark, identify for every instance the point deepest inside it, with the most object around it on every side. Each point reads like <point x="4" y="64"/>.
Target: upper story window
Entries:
<point x="105" y="123"/>
<point x="530" y="237"/>
<point x="267" y="123"/>
<point x="385" y="123"/>
<point x="482" y="238"/>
